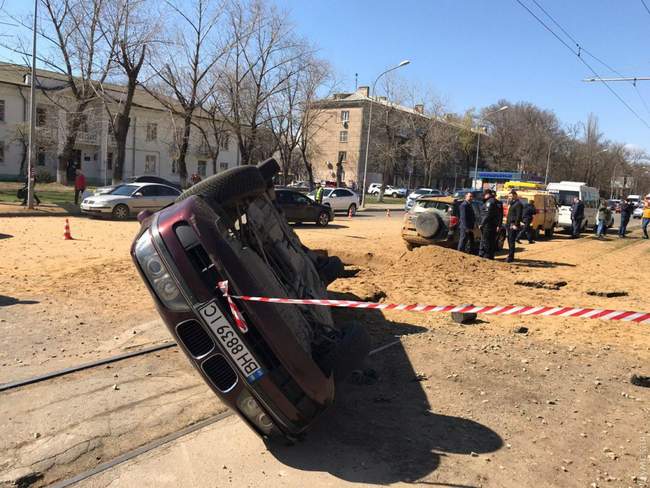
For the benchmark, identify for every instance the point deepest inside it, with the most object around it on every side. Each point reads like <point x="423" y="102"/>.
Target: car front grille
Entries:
<point x="220" y="373"/>
<point x="195" y="338"/>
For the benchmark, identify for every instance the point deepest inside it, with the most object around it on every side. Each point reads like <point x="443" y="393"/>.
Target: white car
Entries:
<point x="339" y="199"/>
<point x="129" y="199"/>
<point x="390" y="191"/>
<point x="638" y="213"/>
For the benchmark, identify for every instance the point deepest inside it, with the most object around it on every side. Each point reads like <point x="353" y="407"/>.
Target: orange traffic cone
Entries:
<point x="66" y="234"/>
<point x="388" y="212"/>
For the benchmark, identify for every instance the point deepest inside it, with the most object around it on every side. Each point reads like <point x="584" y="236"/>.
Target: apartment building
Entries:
<point x="152" y="142"/>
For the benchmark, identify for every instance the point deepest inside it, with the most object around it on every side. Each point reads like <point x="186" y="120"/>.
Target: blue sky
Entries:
<point x="473" y="52"/>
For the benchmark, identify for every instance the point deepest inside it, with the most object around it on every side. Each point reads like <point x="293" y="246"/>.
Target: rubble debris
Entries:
<point x="546" y="285"/>
<point x="520" y="330"/>
<point x="463" y="317"/>
<point x="607" y="294"/>
<point x="639" y="380"/>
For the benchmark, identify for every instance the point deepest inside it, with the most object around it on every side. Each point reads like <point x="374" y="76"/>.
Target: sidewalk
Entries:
<point x="382" y="207"/>
<point x="44" y="210"/>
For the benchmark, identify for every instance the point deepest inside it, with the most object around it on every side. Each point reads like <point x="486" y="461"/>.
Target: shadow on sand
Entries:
<point x="385" y="432"/>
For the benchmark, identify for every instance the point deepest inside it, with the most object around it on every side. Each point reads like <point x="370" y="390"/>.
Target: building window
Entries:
<point x="343" y="156"/>
<point x="224" y="142"/>
<point x="2" y="110"/>
<point x="83" y="122"/>
<point x="152" y="131"/>
<point x="2" y="152"/>
<point x="150" y="164"/>
<point x="345" y="116"/>
<point x="343" y="136"/>
<point x="109" y="161"/>
<point x="223" y="166"/>
<point x="200" y="168"/>
<point x="41" y="116"/>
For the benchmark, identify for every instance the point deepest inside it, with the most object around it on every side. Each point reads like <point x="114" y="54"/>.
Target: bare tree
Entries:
<point x="133" y="26"/>
<point x="182" y="67"/>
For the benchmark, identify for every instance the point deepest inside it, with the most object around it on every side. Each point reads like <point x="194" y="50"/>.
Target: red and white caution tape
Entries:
<point x="572" y="312"/>
<point x="239" y="318"/>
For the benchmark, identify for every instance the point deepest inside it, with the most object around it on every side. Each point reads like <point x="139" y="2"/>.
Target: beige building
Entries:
<point x="340" y="134"/>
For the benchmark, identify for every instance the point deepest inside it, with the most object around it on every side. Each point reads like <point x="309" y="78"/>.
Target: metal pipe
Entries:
<point x="478" y="140"/>
<point x="32" y="117"/>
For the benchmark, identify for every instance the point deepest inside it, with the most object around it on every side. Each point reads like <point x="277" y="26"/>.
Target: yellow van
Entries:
<point x="546" y="215"/>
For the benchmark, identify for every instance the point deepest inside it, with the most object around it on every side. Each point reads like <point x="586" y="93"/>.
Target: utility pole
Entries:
<point x="548" y="162"/>
<point x="32" y="118"/>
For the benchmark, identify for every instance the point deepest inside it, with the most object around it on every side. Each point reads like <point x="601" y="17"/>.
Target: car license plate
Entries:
<point x="231" y="341"/>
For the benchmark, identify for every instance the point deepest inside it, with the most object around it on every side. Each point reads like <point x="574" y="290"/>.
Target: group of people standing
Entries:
<point x="604" y="216"/>
<point x="518" y="223"/>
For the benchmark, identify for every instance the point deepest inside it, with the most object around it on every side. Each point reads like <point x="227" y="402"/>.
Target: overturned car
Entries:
<point x="280" y="370"/>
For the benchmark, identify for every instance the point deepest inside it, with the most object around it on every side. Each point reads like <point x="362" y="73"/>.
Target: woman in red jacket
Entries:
<point x="79" y="186"/>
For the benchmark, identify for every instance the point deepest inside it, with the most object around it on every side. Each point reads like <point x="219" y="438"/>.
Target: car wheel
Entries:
<point x="548" y="233"/>
<point x="121" y="212"/>
<point x="352" y="209"/>
<point x="229" y="187"/>
<point x="427" y="224"/>
<point x="323" y="219"/>
<point x="395" y="195"/>
<point x="349" y="353"/>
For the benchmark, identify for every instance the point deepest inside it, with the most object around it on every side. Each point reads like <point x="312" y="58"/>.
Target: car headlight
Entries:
<point x="251" y="408"/>
<point x="166" y="289"/>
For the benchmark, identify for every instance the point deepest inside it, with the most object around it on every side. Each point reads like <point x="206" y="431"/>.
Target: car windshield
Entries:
<point x="422" y="191"/>
<point x="565" y="197"/>
<point x="124" y="190"/>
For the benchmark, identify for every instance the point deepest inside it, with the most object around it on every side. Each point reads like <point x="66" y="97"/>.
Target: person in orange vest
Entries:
<point x="79" y="185"/>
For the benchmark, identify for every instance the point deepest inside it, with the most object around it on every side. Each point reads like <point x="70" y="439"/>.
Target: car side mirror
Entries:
<point x="137" y="194"/>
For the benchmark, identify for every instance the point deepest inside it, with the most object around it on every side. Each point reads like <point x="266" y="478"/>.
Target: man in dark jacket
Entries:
<point x="577" y="216"/>
<point x="513" y="223"/>
<point x="489" y="224"/>
<point x="627" y="208"/>
<point x="467" y="220"/>
<point x="527" y="219"/>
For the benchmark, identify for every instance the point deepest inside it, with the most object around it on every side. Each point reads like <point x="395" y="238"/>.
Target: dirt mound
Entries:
<point x="435" y="259"/>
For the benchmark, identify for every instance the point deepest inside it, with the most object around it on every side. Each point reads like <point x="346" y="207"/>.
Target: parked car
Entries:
<point x="300" y="208"/>
<point x="103" y="190"/>
<point x="637" y="213"/>
<point x="390" y="191"/>
<point x="614" y="205"/>
<point x="415" y="194"/>
<point x="434" y="220"/>
<point x="280" y="369"/>
<point x="129" y="199"/>
<point x="339" y="199"/>
<point x="547" y="213"/>
<point x="301" y="186"/>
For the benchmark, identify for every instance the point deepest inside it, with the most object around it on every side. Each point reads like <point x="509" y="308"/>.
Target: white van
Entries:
<point x="564" y="193"/>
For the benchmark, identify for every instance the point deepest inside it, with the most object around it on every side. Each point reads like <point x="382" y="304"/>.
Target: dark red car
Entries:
<point x="280" y="371"/>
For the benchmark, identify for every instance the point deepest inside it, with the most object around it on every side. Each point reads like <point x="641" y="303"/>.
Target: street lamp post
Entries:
<point x="32" y="116"/>
<point x="478" y="140"/>
<point x="548" y="162"/>
<point x="365" y="164"/>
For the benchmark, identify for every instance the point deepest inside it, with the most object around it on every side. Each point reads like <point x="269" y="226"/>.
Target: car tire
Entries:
<point x="352" y="208"/>
<point x="427" y="224"/>
<point x="323" y="219"/>
<point x="120" y="212"/>
<point x="548" y="233"/>
<point x="394" y="195"/>
<point x="231" y="186"/>
<point x="268" y="169"/>
<point x="349" y="353"/>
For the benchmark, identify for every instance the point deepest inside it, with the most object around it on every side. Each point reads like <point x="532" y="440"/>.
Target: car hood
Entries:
<point x="108" y="198"/>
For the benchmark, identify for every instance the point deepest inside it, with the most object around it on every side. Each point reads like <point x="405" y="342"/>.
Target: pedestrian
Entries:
<point x="626" y="212"/>
<point x="646" y="216"/>
<point x="488" y="225"/>
<point x="577" y="216"/>
<point x="513" y="223"/>
<point x="319" y="194"/>
<point x="79" y="185"/>
<point x="527" y="220"/>
<point x="467" y="221"/>
<point x="23" y="194"/>
<point x="603" y="217"/>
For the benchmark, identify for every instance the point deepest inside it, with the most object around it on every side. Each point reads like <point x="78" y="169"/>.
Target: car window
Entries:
<point x="342" y="193"/>
<point x="327" y="193"/>
<point x="124" y="190"/>
<point x="167" y="191"/>
<point x="150" y="191"/>
<point x="283" y="196"/>
<point x="433" y="204"/>
<point x="300" y="199"/>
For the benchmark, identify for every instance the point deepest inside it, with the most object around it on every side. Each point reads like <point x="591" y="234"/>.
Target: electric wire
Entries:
<point x="645" y="6"/>
<point x="582" y="49"/>
<point x="577" y="53"/>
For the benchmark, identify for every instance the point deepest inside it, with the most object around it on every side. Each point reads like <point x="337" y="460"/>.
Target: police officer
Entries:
<point x="626" y="212"/>
<point x="467" y="220"/>
<point x="488" y="225"/>
<point x="527" y="219"/>
<point x="513" y="223"/>
<point x="319" y="194"/>
<point x="577" y="215"/>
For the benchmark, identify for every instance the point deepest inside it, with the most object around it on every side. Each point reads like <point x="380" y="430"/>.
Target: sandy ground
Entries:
<point x="464" y="406"/>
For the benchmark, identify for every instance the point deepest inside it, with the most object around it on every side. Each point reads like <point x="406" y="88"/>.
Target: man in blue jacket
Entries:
<point x="577" y="216"/>
<point x="467" y="220"/>
<point x="627" y="208"/>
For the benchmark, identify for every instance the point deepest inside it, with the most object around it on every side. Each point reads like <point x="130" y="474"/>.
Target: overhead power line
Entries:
<point x="645" y="6"/>
<point x="577" y="51"/>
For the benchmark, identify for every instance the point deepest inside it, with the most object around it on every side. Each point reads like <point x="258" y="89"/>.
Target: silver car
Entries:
<point x="129" y="199"/>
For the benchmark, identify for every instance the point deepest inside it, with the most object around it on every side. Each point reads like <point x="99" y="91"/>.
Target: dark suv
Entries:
<point x="280" y="371"/>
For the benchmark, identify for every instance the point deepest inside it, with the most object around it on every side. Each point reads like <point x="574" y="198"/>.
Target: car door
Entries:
<point x="287" y="204"/>
<point x="343" y="199"/>
<point x="167" y="196"/>
<point x="149" y="199"/>
<point x="305" y="207"/>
